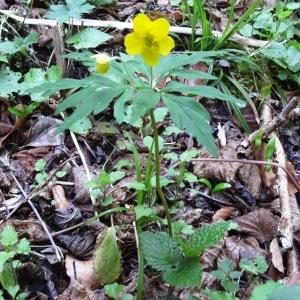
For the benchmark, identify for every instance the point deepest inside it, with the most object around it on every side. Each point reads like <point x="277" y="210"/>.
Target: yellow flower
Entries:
<point x="150" y="39"/>
<point x="102" y="63"/>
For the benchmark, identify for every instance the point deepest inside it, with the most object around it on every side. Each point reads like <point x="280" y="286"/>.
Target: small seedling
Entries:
<point x="214" y="189"/>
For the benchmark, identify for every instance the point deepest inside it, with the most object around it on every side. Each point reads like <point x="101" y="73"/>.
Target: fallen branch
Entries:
<point x="275" y="123"/>
<point x="255" y="162"/>
<point x="126" y="25"/>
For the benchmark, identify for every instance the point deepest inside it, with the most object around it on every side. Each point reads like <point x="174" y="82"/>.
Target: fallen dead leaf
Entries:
<point x="276" y="256"/>
<point x="81" y="271"/>
<point x="223" y="213"/>
<point x="61" y="202"/>
<point x="260" y="223"/>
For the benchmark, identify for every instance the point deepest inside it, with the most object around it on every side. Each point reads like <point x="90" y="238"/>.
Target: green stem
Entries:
<point x="157" y="172"/>
<point x="140" y="285"/>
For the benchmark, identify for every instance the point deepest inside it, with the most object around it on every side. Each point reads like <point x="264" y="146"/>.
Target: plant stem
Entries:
<point x="140" y="285"/>
<point x="157" y="172"/>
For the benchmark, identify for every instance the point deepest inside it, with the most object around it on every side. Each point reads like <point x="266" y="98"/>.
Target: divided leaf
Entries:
<point x="188" y="114"/>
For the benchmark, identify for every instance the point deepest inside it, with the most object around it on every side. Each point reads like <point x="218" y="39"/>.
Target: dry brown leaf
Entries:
<point x="223" y="213"/>
<point x="276" y="256"/>
<point x="260" y="223"/>
<point x="210" y="255"/>
<point x="61" y="202"/>
<point x="81" y="271"/>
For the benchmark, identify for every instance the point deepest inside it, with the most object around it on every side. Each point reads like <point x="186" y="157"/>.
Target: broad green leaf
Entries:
<point x="160" y="113"/>
<point x="187" y="273"/>
<point x="204" y="91"/>
<point x="148" y="141"/>
<point x="8" y="47"/>
<point x="188" y="155"/>
<point x="107" y="257"/>
<point x="60" y="174"/>
<point x="205" y="237"/>
<point x="220" y="187"/>
<point x="288" y="292"/>
<point x="119" y="106"/>
<point x="72" y="9"/>
<point x="82" y="126"/>
<point x="116" y="176"/>
<point x="23" y="247"/>
<point x="160" y="250"/>
<point x="123" y="164"/>
<point x="187" y="114"/>
<point x="206" y="182"/>
<point x="164" y="181"/>
<point x="8" y="236"/>
<point x="9" y="82"/>
<point x="190" y="177"/>
<point x="274" y="50"/>
<point x="259" y="265"/>
<point x="142" y="103"/>
<point x="4" y="257"/>
<point x="143" y="211"/>
<point x="171" y="130"/>
<point x="261" y="292"/>
<point x="88" y="38"/>
<point x="212" y="295"/>
<point x="182" y="226"/>
<point x="293" y="5"/>
<point x="193" y="74"/>
<point x="113" y="290"/>
<point x="40" y="165"/>
<point x="7" y="280"/>
<point x="270" y="148"/>
<point x="138" y="186"/>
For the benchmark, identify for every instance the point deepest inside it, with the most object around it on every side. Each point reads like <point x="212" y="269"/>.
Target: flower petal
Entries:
<point x="133" y="44"/>
<point x="166" y="45"/>
<point x="141" y="24"/>
<point x="151" y="56"/>
<point x="160" y="28"/>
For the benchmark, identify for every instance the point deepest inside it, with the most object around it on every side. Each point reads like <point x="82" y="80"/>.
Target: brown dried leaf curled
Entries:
<point x="260" y="223"/>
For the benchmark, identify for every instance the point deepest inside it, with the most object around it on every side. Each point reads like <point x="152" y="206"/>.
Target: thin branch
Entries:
<point x="254" y="162"/>
<point x="126" y="25"/>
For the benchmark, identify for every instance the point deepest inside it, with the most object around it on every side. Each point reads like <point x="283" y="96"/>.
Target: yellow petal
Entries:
<point x="151" y="57"/>
<point x="160" y="28"/>
<point x="102" y="62"/>
<point x="166" y="45"/>
<point x="141" y="24"/>
<point x="133" y="44"/>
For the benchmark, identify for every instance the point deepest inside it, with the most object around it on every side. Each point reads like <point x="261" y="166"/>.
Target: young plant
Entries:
<point x="214" y="189"/>
<point x="9" y="264"/>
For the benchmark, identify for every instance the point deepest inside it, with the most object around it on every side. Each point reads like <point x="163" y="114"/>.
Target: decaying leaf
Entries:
<point x="260" y="223"/>
<point x="81" y="271"/>
<point x="107" y="257"/>
<point x="61" y="203"/>
<point x="276" y="256"/>
<point x="223" y="213"/>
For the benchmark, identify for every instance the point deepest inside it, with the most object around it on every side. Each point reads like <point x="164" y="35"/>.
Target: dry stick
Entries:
<point x="57" y="250"/>
<point x="275" y="123"/>
<point x="254" y="162"/>
<point x="125" y="25"/>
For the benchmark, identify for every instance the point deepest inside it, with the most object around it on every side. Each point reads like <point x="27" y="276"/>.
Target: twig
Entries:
<point x="254" y="162"/>
<point x="275" y="123"/>
<point x="125" y="25"/>
<point x="57" y="250"/>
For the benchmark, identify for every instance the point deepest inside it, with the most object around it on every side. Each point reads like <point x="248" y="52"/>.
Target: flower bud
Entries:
<point x="102" y="63"/>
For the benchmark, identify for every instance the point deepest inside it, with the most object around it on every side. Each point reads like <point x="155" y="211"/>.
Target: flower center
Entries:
<point x="149" y="41"/>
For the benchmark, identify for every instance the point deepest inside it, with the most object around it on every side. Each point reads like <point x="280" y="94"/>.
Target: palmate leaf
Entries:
<point x="188" y="114"/>
<point x="160" y="250"/>
<point x="72" y="9"/>
<point x="204" y="91"/>
<point x="205" y="237"/>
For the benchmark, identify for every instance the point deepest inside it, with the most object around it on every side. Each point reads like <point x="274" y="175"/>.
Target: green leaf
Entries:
<point x="212" y="295"/>
<point x="193" y="74"/>
<point x="142" y="211"/>
<point x="40" y="165"/>
<point x="144" y="101"/>
<point x="274" y="50"/>
<point x="72" y="9"/>
<point x="60" y="174"/>
<point x="182" y="226"/>
<point x="188" y="273"/>
<point x="160" y="250"/>
<point x="116" y="176"/>
<point x="160" y="113"/>
<point x="261" y="292"/>
<point x="288" y="292"/>
<point x="8" y="47"/>
<point x="203" y="91"/>
<point x="206" y="182"/>
<point x="81" y="126"/>
<point x="40" y="177"/>
<point x="9" y="82"/>
<point x="88" y="38"/>
<point x="149" y="143"/>
<point x="258" y="266"/>
<point x="187" y="114"/>
<point x="220" y="187"/>
<point x="7" y="280"/>
<point x="107" y="257"/>
<point x="23" y="247"/>
<point x="188" y="155"/>
<point x="113" y="290"/>
<point x="119" y="107"/>
<point x="205" y="237"/>
<point x="172" y="130"/>
<point x="4" y="257"/>
<point x="190" y="177"/>
<point x="138" y="186"/>
<point x="164" y="181"/>
<point x="8" y="236"/>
